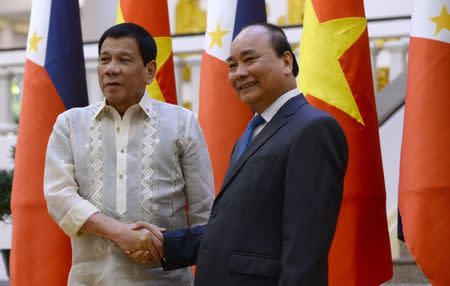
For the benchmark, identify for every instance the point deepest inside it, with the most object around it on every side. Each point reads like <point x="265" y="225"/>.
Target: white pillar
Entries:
<point x="194" y="62"/>
<point x="178" y="67"/>
<point x="6" y="35"/>
<point x="5" y="97"/>
<point x="96" y="17"/>
<point x="93" y="88"/>
<point x="398" y="52"/>
<point x="373" y="62"/>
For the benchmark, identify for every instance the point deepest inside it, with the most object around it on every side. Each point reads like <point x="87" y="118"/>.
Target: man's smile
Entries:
<point x="246" y="85"/>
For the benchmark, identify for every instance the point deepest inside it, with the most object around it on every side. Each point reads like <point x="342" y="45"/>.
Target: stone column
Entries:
<point x="177" y="68"/>
<point x="398" y="51"/>
<point x="5" y="97"/>
<point x="93" y="88"/>
<point x="6" y="34"/>
<point x="195" y="61"/>
<point x="374" y="50"/>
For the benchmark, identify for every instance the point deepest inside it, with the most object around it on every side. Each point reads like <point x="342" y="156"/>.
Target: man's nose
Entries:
<point x="112" y="67"/>
<point x="241" y="71"/>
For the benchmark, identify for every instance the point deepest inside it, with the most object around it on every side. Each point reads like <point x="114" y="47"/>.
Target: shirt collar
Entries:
<point x="270" y="111"/>
<point x="145" y="103"/>
<point x="100" y="109"/>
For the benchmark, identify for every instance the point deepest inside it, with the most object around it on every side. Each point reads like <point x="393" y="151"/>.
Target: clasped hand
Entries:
<point x="142" y="242"/>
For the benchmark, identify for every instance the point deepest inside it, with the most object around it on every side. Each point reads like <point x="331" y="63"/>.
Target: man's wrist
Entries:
<point x="116" y="231"/>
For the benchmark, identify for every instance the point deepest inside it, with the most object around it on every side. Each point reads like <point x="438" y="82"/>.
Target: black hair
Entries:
<point x="279" y="42"/>
<point x="146" y="43"/>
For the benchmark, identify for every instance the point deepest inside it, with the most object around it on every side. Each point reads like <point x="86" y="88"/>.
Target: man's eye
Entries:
<point x="232" y="66"/>
<point x="125" y="60"/>
<point x="103" y="60"/>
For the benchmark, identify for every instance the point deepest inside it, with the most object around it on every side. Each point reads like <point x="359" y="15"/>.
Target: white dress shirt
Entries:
<point x="151" y="165"/>
<point x="270" y="111"/>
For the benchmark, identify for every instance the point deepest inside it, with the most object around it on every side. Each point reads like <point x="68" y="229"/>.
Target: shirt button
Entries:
<point x="120" y="176"/>
<point x="118" y="129"/>
<point x="122" y="151"/>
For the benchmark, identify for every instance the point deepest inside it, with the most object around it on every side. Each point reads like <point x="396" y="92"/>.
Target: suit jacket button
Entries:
<point x="213" y="213"/>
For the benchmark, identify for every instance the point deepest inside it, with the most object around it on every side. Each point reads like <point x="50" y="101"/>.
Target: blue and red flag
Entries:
<point x="54" y="81"/>
<point x="222" y="115"/>
<point x="424" y="186"/>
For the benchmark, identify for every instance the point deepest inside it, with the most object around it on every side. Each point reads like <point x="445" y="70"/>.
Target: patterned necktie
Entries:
<point x="246" y="138"/>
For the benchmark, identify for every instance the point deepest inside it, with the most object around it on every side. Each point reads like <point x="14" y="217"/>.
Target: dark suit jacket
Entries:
<point x="275" y="217"/>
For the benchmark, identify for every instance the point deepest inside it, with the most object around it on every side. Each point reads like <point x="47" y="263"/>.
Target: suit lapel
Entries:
<point x="280" y="119"/>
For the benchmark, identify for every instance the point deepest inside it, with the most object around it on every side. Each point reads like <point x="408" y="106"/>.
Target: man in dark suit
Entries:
<point x="275" y="217"/>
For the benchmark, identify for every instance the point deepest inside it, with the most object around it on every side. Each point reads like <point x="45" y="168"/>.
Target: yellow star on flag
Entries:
<point x="321" y="46"/>
<point x="442" y="21"/>
<point x="34" y="41"/>
<point x="216" y="36"/>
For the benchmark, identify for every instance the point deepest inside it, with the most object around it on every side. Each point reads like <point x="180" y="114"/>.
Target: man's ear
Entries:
<point x="151" y="71"/>
<point x="288" y="62"/>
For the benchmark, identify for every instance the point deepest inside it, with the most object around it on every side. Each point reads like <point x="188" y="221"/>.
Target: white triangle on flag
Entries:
<point x="220" y="13"/>
<point x="423" y="26"/>
<point x="38" y="32"/>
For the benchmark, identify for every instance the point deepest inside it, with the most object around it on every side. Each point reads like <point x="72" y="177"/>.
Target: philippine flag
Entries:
<point x="222" y="115"/>
<point x="424" y="188"/>
<point x="54" y="81"/>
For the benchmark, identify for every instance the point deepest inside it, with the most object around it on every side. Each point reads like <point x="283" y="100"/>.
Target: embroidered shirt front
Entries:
<point x="145" y="166"/>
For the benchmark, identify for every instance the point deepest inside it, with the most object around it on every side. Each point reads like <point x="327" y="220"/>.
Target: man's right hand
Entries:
<point x="143" y="245"/>
<point x="156" y="239"/>
<point x="147" y="241"/>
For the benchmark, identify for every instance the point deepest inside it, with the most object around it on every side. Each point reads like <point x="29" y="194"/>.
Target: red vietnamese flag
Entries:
<point x="335" y="75"/>
<point x="153" y="15"/>
<point x="222" y="115"/>
<point x="54" y="81"/>
<point x="424" y="189"/>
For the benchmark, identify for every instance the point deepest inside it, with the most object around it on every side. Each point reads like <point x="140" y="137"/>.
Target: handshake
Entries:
<point x="142" y="242"/>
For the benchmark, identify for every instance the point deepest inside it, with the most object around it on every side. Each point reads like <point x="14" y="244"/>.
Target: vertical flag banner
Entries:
<point x="222" y="115"/>
<point x="424" y="188"/>
<point x="335" y="75"/>
<point x="54" y="81"/>
<point x="153" y="15"/>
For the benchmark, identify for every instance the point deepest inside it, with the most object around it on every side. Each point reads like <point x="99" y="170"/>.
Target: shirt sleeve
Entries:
<point x="64" y="204"/>
<point x="198" y="177"/>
